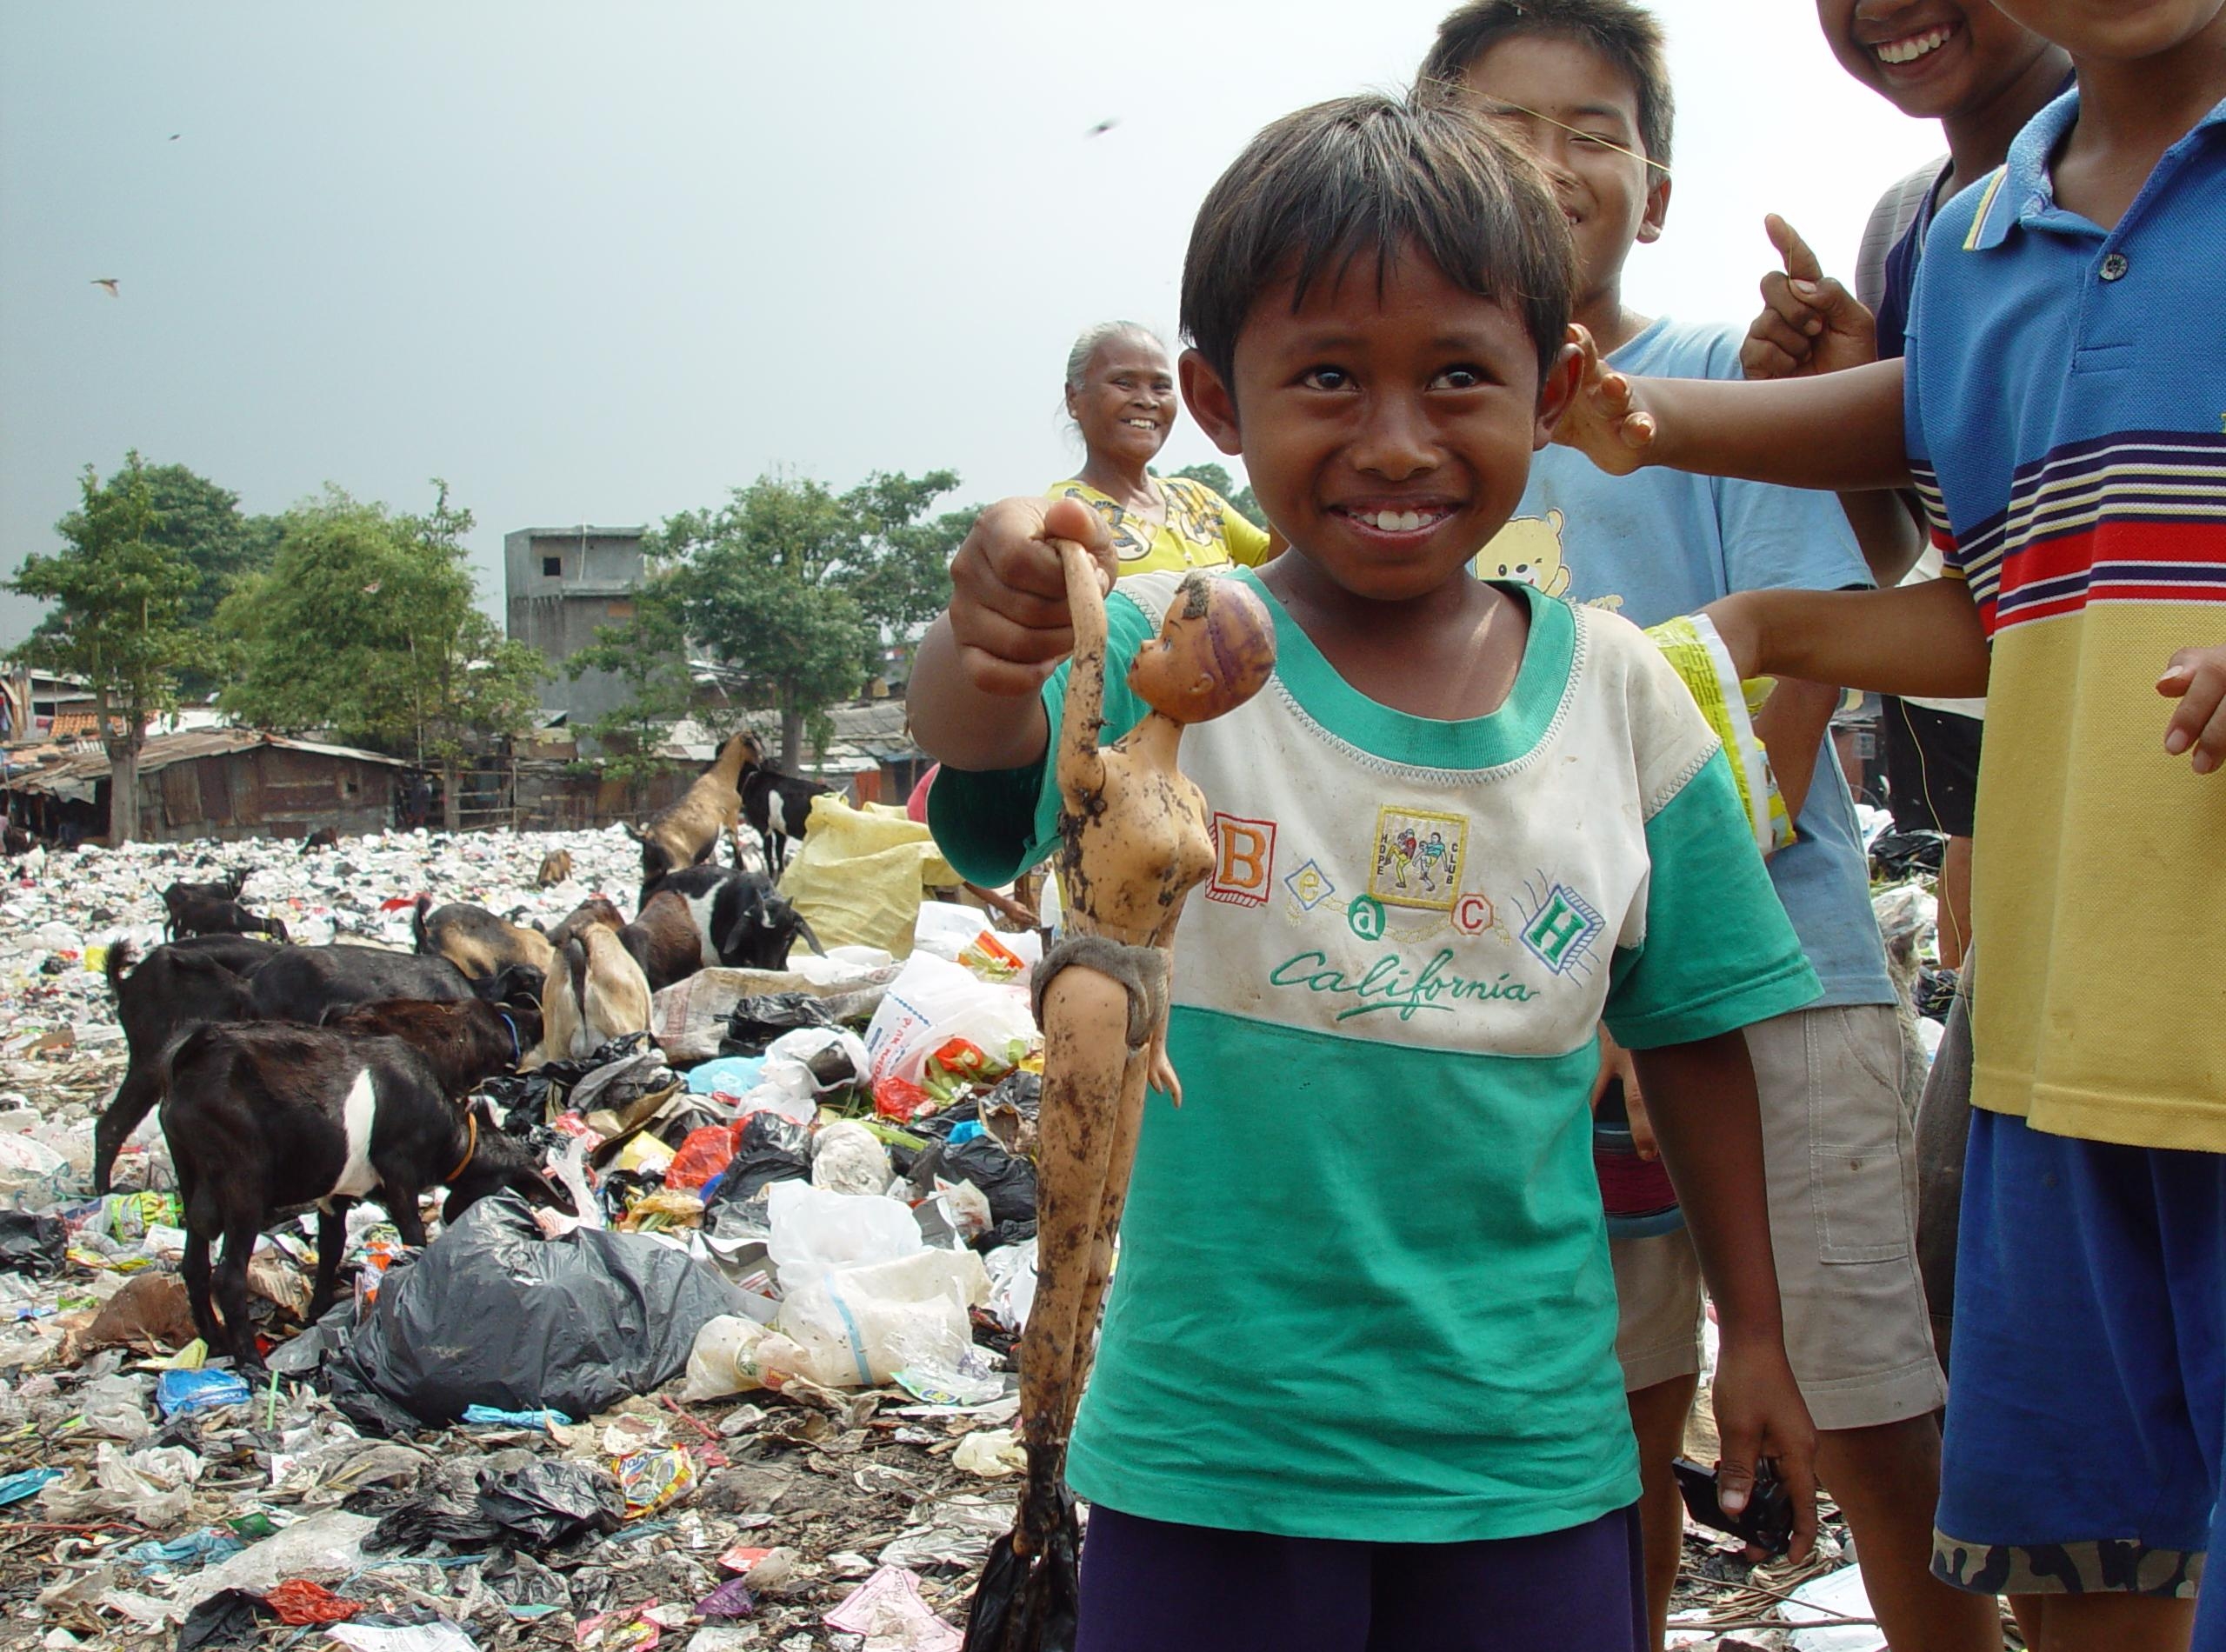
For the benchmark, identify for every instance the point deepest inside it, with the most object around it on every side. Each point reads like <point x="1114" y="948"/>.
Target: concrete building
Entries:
<point x="560" y="585"/>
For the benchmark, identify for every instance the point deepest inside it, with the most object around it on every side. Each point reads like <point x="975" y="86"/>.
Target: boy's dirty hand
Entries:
<point x="1008" y="596"/>
<point x="1810" y="323"/>
<point x="1615" y="1063"/>
<point x="1759" y="1413"/>
<point x="1605" y="420"/>
<point x="2197" y="681"/>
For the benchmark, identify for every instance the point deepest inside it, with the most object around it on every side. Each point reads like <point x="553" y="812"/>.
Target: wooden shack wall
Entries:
<point x="265" y="791"/>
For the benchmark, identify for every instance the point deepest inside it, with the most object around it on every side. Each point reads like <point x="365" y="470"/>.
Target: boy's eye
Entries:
<point x="1464" y="377"/>
<point x="1326" y="378"/>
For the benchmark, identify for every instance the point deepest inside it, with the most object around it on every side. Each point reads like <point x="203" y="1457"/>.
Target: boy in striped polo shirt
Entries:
<point x="2062" y="410"/>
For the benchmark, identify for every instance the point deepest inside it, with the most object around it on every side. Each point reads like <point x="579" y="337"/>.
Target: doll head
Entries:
<point x="1215" y="651"/>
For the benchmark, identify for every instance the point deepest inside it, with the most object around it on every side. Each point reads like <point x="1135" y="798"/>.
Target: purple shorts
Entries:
<point x="1150" y="1586"/>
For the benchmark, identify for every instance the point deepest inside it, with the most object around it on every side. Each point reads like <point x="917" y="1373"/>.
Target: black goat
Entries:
<point x="777" y="806"/>
<point x="263" y="1117"/>
<point x="214" y="908"/>
<point x="231" y="978"/>
<point x="174" y="988"/>
<point x="741" y="920"/>
<point x="307" y="984"/>
<point x="322" y="838"/>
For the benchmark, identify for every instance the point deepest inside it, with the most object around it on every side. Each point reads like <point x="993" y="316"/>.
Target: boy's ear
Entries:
<point x="1210" y="401"/>
<point x="1557" y="389"/>
<point x="1657" y="207"/>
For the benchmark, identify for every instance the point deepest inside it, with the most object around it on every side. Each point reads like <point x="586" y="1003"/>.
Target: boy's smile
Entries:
<point x="1610" y="198"/>
<point x="1387" y="424"/>
<point x="1929" y="58"/>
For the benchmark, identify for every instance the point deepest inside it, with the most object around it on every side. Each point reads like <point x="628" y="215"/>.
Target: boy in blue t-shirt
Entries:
<point x="1581" y="84"/>
<point x="2058" y="412"/>
<point x="1356" y="1387"/>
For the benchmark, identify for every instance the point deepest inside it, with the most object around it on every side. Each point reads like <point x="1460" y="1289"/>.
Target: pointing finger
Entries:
<point x="1800" y="262"/>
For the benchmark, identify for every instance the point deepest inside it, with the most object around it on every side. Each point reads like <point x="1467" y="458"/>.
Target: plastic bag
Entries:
<point x="729" y="1074"/>
<point x="115" y="1406"/>
<point x="550" y="1501"/>
<point x="756" y="1022"/>
<point x="771" y="1149"/>
<point x="689" y="1017"/>
<point x="1697" y="653"/>
<point x="963" y="935"/>
<point x="703" y="1156"/>
<point x="31" y="1244"/>
<point x="859" y="1326"/>
<point x="733" y="1354"/>
<point x="1007" y="1180"/>
<point x="184" y="1393"/>
<point x="813" y="1229"/>
<point x="846" y="1157"/>
<point x="152" y="1488"/>
<point x="1012" y="1285"/>
<point x="1030" y="1603"/>
<point x="858" y="877"/>
<point x="932" y="1003"/>
<point x="492" y="1314"/>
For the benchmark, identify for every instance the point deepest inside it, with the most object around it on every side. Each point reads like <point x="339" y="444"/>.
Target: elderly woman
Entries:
<point x="1121" y="394"/>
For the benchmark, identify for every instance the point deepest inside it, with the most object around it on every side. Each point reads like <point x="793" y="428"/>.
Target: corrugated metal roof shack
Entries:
<point x="218" y="782"/>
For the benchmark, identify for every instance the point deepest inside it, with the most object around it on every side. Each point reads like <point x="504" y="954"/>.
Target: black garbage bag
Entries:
<point x="31" y="1244"/>
<point x="1896" y="854"/>
<point x="1009" y="1183"/>
<point x="229" y="1618"/>
<point x="568" y="1073"/>
<point x="521" y="1101"/>
<point x="491" y="1313"/>
<point x="550" y="1501"/>
<point x="756" y="1022"/>
<point x="1031" y="1603"/>
<point x="772" y="1150"/>
<point x="442" y="1507"/>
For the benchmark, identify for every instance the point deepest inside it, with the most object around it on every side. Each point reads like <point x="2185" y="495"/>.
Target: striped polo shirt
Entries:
<point x="2066" y="412"/>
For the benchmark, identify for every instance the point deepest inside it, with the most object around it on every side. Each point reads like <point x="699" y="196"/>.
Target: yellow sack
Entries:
<point x="858" y="877"/>
<point x="1697" y="654"/>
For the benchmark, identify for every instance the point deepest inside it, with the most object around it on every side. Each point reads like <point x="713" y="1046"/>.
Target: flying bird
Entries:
<point x="1103" y="127"/>
<point x="109" y="282"/>
<point x="175" y="135"/>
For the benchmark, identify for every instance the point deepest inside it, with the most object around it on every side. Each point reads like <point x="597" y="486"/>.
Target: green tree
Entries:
<point x="367" y="624"/>
<point x="1217" y="477"/>
<point x="798" y="587"/>
<point x="204" y="523"/>
<point x="120" y="592"/>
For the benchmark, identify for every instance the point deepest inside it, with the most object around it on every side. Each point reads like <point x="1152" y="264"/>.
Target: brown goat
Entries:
<point x="477" y="942"/>
<point x="556" y="866"/>
<point x="596" y="992"/>
<point x="463" y="1042"/>
<point x="664" y="939"/>
<point x="687" y="832"/>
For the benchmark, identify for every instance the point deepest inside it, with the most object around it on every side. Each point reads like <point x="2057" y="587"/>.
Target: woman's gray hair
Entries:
<point x="1105" y="333"/>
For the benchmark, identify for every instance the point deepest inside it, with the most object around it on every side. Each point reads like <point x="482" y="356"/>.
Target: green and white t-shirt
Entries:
<point x="1363" y="1289"/>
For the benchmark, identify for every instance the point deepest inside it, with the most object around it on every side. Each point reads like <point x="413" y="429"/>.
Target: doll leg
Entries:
<point x="1086" y="1054"/>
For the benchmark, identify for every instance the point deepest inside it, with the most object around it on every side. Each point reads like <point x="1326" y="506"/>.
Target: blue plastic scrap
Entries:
<point x="15" y="1487"/>
<point x="489" y="1416"/>
<point x="184" y="1393"/>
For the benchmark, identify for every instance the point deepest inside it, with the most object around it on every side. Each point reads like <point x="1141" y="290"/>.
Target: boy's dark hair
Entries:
<point x="1367" y="177"/>
<point x="1627" y="35"/>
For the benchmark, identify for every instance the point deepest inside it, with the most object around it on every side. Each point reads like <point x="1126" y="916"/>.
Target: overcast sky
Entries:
<point x="602" y="262"/>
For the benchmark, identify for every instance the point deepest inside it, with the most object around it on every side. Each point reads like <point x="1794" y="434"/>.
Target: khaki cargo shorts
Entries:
<point x="1839" y="1149"/>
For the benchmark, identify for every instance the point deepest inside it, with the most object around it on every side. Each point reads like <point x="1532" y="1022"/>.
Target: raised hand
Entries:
<point x="1009" y="617"/>
<point x="1809" y="324"/>
<point x="1605" y="420"/>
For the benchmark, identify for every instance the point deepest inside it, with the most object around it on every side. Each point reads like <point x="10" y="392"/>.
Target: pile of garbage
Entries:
<point x="757" y="1393"/>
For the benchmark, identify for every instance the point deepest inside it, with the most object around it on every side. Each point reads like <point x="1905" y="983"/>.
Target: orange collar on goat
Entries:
<point x="471" y="1147"/>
